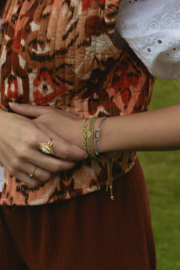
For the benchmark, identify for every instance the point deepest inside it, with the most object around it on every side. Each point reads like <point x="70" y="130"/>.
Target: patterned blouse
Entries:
<point x="61" y="54"/>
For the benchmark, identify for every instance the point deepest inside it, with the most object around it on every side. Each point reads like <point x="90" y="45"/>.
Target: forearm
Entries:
<point x="154" y="130"/>
<point x="151" y="131"/>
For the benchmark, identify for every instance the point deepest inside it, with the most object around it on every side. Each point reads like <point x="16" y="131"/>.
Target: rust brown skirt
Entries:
<point x="87" y="233"/>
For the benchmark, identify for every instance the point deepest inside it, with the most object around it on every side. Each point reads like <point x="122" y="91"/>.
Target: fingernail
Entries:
<point x="86" y="156"/>
<point x="13" y="104"/>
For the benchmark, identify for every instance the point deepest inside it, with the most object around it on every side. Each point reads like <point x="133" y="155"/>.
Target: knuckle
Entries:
<point x="12" y="171"/>
<point x="62" y="141"/>
<point x="22" y="152"/>
<point x="27" y="107"/>
<point x="34" y="139"/>
<point x="16" y="163"/>
<point x="65" y="151"/>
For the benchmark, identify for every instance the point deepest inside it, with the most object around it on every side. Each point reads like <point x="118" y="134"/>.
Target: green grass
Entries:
<point x="162" y="174"/>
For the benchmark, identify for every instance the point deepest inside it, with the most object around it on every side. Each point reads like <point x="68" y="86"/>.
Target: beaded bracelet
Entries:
<point x="97" y="136"/>
<point x="83" y="125"/>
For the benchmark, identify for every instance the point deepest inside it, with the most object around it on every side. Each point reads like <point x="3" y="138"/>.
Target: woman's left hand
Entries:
<point x="64" y="124"/>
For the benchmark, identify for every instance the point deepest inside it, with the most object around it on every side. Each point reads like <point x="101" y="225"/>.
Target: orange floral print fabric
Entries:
<point x="60" y="53"/>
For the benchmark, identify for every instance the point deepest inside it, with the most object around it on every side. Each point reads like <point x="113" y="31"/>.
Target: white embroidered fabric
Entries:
<point x="152" y="30"/>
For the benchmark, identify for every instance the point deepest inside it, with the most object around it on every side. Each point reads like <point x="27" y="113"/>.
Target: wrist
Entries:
<point x="103" y="142"/>
<point x="97" y="125"/>
<point x="90" y="141"/>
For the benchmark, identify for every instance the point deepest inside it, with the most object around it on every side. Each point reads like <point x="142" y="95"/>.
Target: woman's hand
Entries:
<point x="20" y="154"/>
<point x="64" y="124"/>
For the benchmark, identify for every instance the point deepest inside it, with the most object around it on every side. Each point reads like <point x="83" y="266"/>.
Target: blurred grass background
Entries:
<point x="162" y="174"/>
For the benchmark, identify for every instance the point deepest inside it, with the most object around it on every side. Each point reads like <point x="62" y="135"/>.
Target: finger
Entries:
<point x="29" y="151"/>
<point x="61" y="148"/>
<point x="35" y="156"/>
<point x="50" y="163"/>
<point x="36" y="111"/>
<point x="36" y="172"/>
<point x="65" y="151"/>
<point x="49" y="172"/>
<point x="24" y="178"/>
<point x="57" y="138"/>
<point x="70" y="115"/>
<point x="28" y="110"/>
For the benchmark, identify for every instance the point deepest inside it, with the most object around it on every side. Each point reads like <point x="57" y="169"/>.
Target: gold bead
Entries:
<point x="83" y="130"/>
<point x="83" y="125"/>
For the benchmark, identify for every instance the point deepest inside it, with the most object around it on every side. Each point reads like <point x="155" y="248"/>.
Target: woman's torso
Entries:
<point x="60" y="53"/>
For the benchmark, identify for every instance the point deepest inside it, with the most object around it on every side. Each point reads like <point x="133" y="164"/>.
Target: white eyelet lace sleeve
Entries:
<point x="152" y="30"/>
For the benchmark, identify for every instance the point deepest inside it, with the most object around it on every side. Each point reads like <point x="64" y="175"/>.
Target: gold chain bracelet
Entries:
<point x="84" y="135"/>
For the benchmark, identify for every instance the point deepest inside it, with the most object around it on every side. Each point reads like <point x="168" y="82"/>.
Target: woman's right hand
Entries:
<point x="20" y="152"/>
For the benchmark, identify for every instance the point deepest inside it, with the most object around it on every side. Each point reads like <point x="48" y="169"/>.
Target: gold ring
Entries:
<point x="46" y="148"/>
<point x="32" y="174"/>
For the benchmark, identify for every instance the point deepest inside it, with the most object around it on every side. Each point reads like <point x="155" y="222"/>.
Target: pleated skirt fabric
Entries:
<point x="90" y="232"/>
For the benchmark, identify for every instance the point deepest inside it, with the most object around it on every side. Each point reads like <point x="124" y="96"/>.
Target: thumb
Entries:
<point x="27" y="109"/>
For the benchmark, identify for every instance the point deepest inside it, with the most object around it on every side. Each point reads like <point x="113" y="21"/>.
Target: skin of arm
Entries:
<point x="146" y="131"/>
